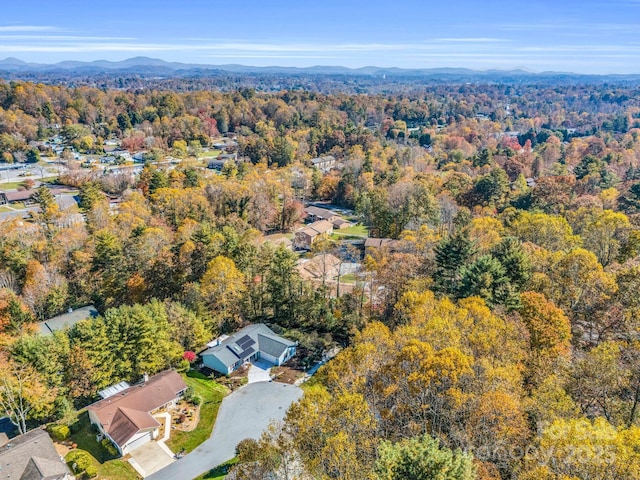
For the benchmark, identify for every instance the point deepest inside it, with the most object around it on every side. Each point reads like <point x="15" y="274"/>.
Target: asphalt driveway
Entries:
<point x="246" y="413"/>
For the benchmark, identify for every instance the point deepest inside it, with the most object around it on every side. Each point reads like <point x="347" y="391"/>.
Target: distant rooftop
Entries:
<point x="32" y="456"/>
<point x="67" y="319"/>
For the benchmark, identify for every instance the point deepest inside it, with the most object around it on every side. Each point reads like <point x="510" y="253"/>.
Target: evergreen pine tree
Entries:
<point x="452" y="254"/>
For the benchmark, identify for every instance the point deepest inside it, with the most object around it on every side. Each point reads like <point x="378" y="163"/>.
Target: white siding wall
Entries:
<point x="135" y="442"/>
<point x="269" y="358"/>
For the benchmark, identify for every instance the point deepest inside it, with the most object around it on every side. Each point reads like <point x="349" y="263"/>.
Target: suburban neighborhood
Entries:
<point x="320" y="240"/>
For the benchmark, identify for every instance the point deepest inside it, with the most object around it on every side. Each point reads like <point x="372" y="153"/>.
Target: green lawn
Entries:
<point x="109" y="467"/>
<point x="219" y="472"/>
<point x="13" y="207"/>
<point x="10" y="185"/>
<point x="209" y="153"/>
<point x="112" y="470"/>
<point x="20" y="183"/>
<point x="355" y="231"/>
<point x="212" y="394"/>
<point x="349" y="278"/>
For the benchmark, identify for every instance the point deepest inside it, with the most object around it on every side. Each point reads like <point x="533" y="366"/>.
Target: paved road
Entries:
<point x="246" y="413"/>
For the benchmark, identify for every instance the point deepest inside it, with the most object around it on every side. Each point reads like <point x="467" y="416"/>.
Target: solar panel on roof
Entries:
<point x="243" y="339"/>
<point x="247" y="352"/>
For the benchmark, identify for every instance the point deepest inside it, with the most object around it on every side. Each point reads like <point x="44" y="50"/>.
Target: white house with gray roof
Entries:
<point x="251" y="343"/>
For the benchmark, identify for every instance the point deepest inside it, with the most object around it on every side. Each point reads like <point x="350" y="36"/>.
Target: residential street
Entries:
<point x="246" y="413"/>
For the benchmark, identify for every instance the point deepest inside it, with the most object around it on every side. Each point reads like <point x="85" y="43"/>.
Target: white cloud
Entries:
<point x="472" y="40"/>
<point x="26" y="28"/>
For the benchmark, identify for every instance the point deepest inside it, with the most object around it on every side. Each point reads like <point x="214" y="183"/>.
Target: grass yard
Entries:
<point x="209" y="153"/>
<point x="219" y="472"/>
<point x="112" y="470"/>
<point x="109" y="466"/>
<point x="13" y="207"/>
<point x="349" y="278"/>
<point x="355" y="231"/>
<point x="11" y="185"/>
<point x="212" y="394"/>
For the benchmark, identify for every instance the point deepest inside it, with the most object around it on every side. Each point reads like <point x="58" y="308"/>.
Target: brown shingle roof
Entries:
<point x="126" y="413"/>
<point x="317" y="228"/>
<point x="382" y="242"/>
<point x="325" y="265"/>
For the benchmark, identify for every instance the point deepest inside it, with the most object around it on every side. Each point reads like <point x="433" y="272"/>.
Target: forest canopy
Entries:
<point x="493" y="336"/>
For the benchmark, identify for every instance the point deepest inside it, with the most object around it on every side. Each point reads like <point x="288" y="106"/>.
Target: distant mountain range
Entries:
<point x="147" y="66"/>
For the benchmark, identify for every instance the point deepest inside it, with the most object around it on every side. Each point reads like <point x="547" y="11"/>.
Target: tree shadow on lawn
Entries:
<point x="83" y="434"/>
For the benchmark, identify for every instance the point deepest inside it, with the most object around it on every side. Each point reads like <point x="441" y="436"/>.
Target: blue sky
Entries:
<point x="588" y="36"/>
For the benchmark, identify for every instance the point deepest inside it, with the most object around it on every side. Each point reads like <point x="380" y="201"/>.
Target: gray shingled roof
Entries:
<point x="31" y="456"/>
<point x="67" y="319"/>
<point x="273" y="346"/>
<point x="263" y="339"/>
<point x="320" y="212"/>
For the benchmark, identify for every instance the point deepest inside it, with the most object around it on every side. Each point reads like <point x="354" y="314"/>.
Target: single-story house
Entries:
<point x="31" y="456"/>
<point x="316" y="214"/>
<point x="26" y="196"/>
<point x="325" y="163"/>
<point x="124" y="154"/>
<point x="216" y="164"/>
<point x="388" y="243"/>
<point x="323" y="267"/>
<point x="305" y="237"/>
<point x="67" y="320"/>
<point x="251" y="343"/>
<point x="278" y="239"/>
<point x="340" y="223"/>
<point x="227" y="156"/>
<point x="126" y="417"/>
<point x="15" y="196"/>
<point x="226" y="145"/>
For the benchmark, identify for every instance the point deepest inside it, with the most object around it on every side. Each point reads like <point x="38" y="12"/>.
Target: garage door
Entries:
<point x="139" y="442"/>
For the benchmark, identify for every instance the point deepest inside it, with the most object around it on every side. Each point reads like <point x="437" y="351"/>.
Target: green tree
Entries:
<point x="90" y="194"/>
<point x="422" y="458"/>
<point x="158" y="180"/>
<point x="33" y="155"/>
<point x="514" y="259"/>
<point x="282" y="282"/>
<point x="46" y="201"/>
<point x="141" y="336"/>
<point x="451" y="254"/>
<point x="490" y="189"/>
<point x="486" y="278"/>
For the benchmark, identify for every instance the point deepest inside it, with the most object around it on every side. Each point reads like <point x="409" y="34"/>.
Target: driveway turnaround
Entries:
<point x="246" y="413"/>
